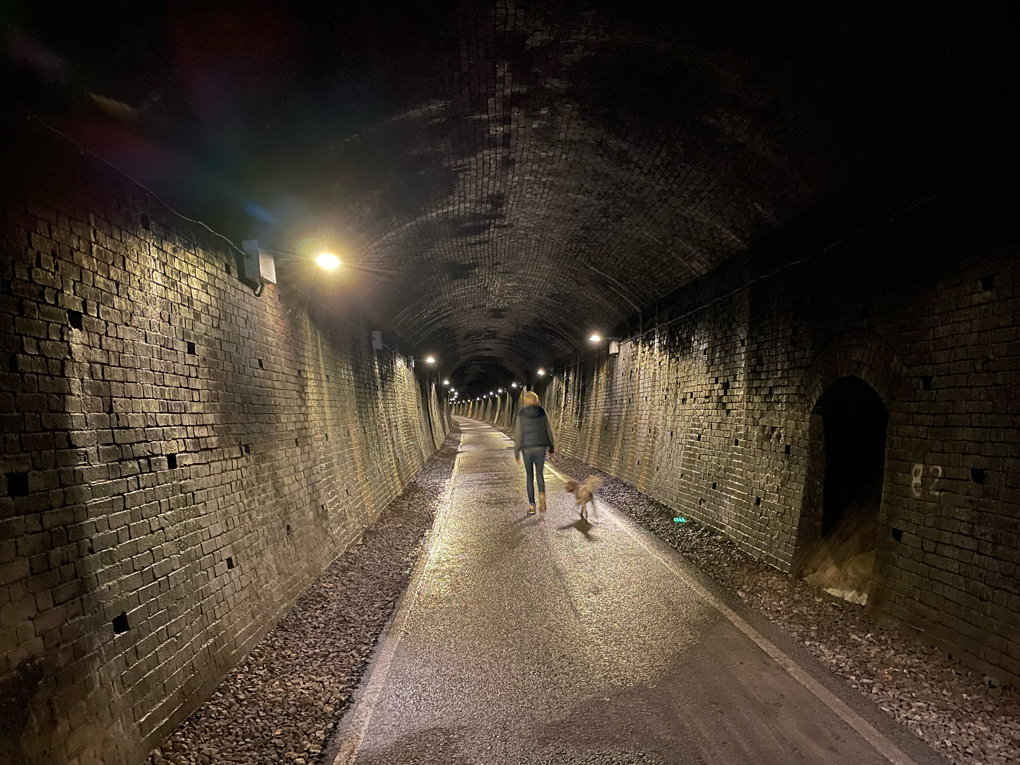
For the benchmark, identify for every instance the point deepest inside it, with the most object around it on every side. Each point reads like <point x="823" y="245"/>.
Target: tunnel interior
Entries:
<point x="854" y="423"/>
<point x="721" y="244"/>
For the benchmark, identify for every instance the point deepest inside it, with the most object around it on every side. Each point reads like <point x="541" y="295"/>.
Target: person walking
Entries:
<point x="532" y="436"/>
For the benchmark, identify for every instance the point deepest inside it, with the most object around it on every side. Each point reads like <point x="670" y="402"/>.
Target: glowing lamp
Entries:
<point x="328" y="261"/>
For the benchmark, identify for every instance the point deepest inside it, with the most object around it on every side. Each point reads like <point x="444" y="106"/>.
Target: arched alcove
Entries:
<point x="848" y="433"/>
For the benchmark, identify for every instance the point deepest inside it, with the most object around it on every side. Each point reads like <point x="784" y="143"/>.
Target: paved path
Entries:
<point x="529" y="639"/>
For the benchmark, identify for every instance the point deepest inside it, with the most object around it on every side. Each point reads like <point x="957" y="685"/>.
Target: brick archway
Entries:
<point x="860" y="354"/>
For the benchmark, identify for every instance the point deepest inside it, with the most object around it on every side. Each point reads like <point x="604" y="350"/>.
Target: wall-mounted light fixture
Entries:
<point x="513" y="385"/>
<point x="446" y="382"/>
<point x="430" y="359"/>
<point x="327" y="261"/>
<point x="540" y="372"/>
<point x="595" y="337"/>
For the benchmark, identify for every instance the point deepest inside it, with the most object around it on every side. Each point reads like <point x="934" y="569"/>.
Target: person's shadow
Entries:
<point x="581" y="525"/>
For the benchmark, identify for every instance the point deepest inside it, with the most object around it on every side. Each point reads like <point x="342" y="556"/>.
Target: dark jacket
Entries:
<point x="533" y="429"/>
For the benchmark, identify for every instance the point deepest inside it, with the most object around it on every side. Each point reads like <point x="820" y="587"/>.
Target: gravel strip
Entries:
<point x="283" y="701"/>
<point x="956" y="710"/>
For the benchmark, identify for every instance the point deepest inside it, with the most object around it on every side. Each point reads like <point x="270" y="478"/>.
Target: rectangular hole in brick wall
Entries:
<point x="74" y="319"/>
<point x="191" y="348"/>
<point x="146" y="224"/>
<point x="12" y="363"/>
<point x="120" y="624"/>
<point x="713" y="486"/>
<point x="897" y="534"/>
<point x="261" y="365"/>
<point x="288" y="529"/>
<point x="297" y="442"/>
<point x="757" y="501"/>
<point x="926" y="382"/>
<point x="736" y="442"/>
<point x="230" y="562"/>
<point x="247" y="449"/>
<point x="17" y="484"/>
<point x="171" y="461"/>
<point x="787" y="448"/>
<point x="977" y="475"/>
<point x="988" y="282"/>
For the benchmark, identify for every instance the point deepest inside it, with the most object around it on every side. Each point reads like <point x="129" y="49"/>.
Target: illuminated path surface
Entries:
<point x="531" y="639"/>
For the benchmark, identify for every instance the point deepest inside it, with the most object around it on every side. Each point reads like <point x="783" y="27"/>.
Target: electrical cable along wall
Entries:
<point x="181" y="458"/>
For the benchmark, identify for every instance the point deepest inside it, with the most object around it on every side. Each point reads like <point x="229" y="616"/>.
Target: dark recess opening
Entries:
<point x="926" y="382"/>
<point x="853" y="428"/>
<point x="230" y="562"/>
<point x="120" y="624"/>
<point x="171" y="461"/>
<point x="74" y="319"/>
<point x="787" y="449"/>
<point x="854" y="424"/>
<point x="261" y="365"/>
<point x="17" y="484"/>
<point x="145" y="222"/>
<point x="247" y="449"/>
<point x="988" y="282"/>
<point x="897" y="534"/>
<point x="191" y="348"/>
<point x="977" y="475"/>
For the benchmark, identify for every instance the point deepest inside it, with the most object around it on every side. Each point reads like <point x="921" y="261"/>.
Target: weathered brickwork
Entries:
<point x="180" y="460"/>
<point x="716" y="415"/>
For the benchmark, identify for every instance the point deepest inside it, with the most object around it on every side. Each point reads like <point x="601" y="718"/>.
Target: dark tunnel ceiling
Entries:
<point x="501" y="179"/>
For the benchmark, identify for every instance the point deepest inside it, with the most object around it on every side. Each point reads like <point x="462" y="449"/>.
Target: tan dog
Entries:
<point x="584" y="493"/>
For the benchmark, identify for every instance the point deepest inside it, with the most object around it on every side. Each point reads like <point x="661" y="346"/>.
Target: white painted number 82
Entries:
<point x="917" y="482"/>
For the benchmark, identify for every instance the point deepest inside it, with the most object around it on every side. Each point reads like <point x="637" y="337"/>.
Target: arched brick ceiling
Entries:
<point x="502" y="178"/>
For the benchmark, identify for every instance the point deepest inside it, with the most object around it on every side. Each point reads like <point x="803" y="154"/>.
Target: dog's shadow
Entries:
<point x="580" y="525"/>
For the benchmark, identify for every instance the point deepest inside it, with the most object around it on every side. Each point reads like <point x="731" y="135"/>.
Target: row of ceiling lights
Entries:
<point x="330" y="262"/>
<point x="594" y="338"/>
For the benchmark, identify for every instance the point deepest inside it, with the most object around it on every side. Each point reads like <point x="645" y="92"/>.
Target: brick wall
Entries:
<point x="180" y="458"/>
<point x="715" y="414"/>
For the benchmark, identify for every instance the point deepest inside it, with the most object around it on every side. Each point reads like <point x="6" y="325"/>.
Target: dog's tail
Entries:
<point x="593" y="483"/>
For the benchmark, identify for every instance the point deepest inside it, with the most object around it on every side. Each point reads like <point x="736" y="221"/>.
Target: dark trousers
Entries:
<point x="534" y="465"/>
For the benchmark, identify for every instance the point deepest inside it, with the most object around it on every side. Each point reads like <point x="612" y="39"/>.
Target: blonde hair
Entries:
<point x="530" y="398"/>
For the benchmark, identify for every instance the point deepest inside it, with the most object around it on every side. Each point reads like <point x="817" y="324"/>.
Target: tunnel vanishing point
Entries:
<point x="795" y="233"/>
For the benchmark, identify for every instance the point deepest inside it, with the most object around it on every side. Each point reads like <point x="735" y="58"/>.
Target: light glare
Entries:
<point x="595" y="337"/>
<point x="328" y="261"/>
